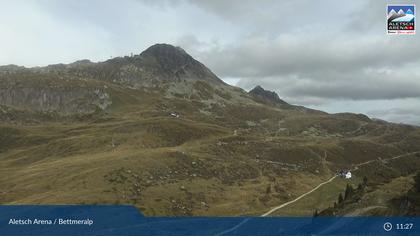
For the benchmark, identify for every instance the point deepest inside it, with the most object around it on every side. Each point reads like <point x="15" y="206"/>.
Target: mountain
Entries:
<point x="266" y="96"/>
<point x="394" y="16"/>
<point x="392" y="13"/>
<point x="169" y="62"/>
<point x="409" y="11"/>
<point x="80" y="87"/>
<point x="160" y="131"/>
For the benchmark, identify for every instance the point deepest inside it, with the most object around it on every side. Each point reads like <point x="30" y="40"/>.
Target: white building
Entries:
<point x="348" y="175"/>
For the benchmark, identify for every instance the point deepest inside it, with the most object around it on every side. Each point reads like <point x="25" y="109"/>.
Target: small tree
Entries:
<point x="365" y="180"/>
<point x="417" y="182"/>
<point x="349" y="191"/>
<point x="340" y="198"/>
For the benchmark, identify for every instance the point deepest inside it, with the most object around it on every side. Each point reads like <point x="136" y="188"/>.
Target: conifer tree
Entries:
<point x="340" y="198"/>
<point x="349" y="191"/>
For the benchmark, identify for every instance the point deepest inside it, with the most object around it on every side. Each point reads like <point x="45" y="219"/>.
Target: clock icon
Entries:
<point x="387" y="226"/>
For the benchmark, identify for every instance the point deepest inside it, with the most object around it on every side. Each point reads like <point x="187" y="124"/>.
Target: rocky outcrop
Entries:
<point x="266" y="96"/>
<point x="66" y="98"/>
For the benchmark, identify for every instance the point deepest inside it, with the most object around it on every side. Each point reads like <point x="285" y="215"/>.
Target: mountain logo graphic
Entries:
<point x="401" y="19"/>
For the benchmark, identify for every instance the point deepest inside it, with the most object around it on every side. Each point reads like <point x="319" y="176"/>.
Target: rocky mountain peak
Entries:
<point x="168" y="57"/>
<point x="174" y="62"/>
<point x="163" y="50"/>
<point x="266" y="96"/>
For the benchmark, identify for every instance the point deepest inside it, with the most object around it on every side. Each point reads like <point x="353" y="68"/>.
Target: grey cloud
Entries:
<point x="355" y="69"/>
<point x="348" y="66"/>
<point x="401" y="111"/>
<point x="273" y="17"/>
<point x="356" y="88"/>
<point x="256" y="57"/>
<point x="369" y="17"/>
<point x="319" y="62"/>
<point x="399" y="115"/>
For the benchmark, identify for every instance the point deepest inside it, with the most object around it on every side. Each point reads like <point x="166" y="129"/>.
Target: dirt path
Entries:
<point x="297" y="199"/>
<point x="328" y="181"/>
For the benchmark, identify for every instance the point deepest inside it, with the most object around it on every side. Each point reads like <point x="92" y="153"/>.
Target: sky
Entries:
<point x="329" y="55"/>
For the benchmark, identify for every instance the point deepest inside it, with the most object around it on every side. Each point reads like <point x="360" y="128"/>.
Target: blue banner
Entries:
<point x="127" y="220"/>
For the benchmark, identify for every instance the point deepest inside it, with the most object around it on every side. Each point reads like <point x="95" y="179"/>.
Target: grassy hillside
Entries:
<point x="388" y="190"/>
<point x="103" y="133"/>
<point x="231" y="160"/>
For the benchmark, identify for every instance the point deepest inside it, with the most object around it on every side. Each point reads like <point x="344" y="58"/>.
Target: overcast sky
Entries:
<point x="330" y="55"/>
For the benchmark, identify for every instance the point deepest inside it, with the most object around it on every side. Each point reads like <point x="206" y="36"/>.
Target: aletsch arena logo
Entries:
<point x="401" y="19"/>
